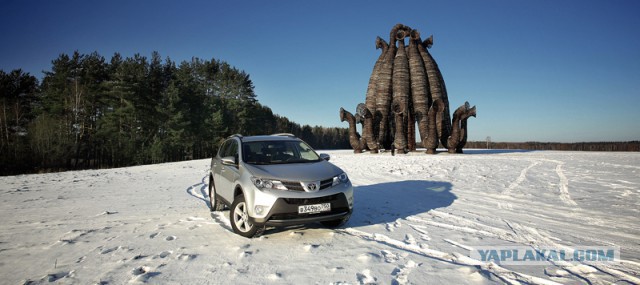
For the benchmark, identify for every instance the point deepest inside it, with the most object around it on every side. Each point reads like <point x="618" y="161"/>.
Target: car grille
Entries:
<point x="293" y="185"/>
<point x="287" y="208"/>
<point x="309" y="201"/>
<point x="324" y="184"/>
<point x="291" y="216"/>
<point x="296" y="186"/>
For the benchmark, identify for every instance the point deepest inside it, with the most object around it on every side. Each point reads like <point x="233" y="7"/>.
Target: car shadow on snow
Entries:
<point x="373" y="204"/>
<point x="386" y="202"/>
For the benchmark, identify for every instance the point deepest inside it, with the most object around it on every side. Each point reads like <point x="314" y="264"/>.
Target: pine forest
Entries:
<point x="90" y="112"/>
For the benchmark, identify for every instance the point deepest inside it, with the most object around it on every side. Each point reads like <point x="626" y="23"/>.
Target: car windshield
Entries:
<point x="278" y="152"/>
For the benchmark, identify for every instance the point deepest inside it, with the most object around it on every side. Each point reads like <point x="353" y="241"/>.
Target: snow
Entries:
<point x="416" y="218"/>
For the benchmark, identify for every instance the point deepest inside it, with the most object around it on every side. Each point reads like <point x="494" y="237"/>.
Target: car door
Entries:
<point x="217" y="168"/>
<point x="228" y="173"/>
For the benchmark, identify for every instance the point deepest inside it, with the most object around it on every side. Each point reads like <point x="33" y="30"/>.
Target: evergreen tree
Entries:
<point x="91" y="113"/>
<point x="17" y="104"/>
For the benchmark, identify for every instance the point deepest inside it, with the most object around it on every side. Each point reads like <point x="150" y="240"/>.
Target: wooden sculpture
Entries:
<point x="406" y="87"/>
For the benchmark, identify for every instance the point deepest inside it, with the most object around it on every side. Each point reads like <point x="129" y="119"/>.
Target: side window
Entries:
<point x="232" y="150"/>
<point x="223" y="147"/>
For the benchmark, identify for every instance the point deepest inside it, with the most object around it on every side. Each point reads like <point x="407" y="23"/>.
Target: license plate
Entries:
<point x="315" y="208"/>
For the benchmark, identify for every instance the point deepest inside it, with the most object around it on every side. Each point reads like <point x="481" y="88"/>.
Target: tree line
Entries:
<point x="88" y="112"/>
<point x="579" y="146"/>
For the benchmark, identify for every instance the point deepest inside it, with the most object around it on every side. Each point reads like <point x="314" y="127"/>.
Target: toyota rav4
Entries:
<point x="277" y="180"/>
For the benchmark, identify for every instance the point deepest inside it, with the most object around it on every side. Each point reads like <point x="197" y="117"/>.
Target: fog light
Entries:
<point x="259" y="209"/>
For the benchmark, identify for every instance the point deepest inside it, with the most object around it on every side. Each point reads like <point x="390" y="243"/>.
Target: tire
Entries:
<point x="214" y="203"/>
<point x="240" y="219"/>
<point x="336" y="223"/>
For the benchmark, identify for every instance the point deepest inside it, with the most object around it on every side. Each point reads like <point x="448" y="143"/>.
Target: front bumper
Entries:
<point x="285" y="211"/>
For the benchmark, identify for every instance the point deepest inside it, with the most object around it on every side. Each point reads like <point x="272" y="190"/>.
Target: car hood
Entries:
<point x="314" y="171"/>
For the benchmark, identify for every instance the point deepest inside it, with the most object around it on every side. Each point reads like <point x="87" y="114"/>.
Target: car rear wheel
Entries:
<point x="214" y="203"/>
<point x="240" y="219"/>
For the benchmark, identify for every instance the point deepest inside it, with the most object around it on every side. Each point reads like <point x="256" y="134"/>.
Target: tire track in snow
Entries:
<point x="527" y="236"/>
<point x="454" y="227"/>
<point x="609" y="165"/>
<point x="506" y="275"/>
<point x="535" y="239"/>
<point x="520" y="179"/>
<point x="564" y="186"/>
<point x="581" y="270"/>
<point x="464" y="225"/>
<point x="199" y="191"/>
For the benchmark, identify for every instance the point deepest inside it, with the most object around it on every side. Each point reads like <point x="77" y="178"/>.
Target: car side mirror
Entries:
<point x="229" y="160"/>
<point x="325" y="156"/>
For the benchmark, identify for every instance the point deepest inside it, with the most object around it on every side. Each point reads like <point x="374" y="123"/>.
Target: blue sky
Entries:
<point x="537" y="70"/>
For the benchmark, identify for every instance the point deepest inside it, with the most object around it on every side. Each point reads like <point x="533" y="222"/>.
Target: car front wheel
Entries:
<point x="240" y="219"/>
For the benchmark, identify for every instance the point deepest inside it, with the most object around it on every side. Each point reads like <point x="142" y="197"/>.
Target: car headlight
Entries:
<point x="262" y="183"/>
<point x="342" y="178"/>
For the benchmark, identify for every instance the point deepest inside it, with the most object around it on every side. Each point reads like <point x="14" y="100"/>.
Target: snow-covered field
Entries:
<point x="416" y="217"/>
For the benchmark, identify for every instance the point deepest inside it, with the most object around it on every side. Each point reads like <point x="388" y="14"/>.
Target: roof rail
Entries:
<point x="235" y="136"/>
<point x="284" y="135"/>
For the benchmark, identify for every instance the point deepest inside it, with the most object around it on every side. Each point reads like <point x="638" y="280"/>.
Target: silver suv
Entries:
<point x="277" y="180"/>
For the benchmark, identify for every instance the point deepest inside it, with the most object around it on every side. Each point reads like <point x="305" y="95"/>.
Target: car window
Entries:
<point x="221" y="151"/>
<point x="232" y="150"/>
<point x="278" y="152"/>
<point x="229" y="148"/>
